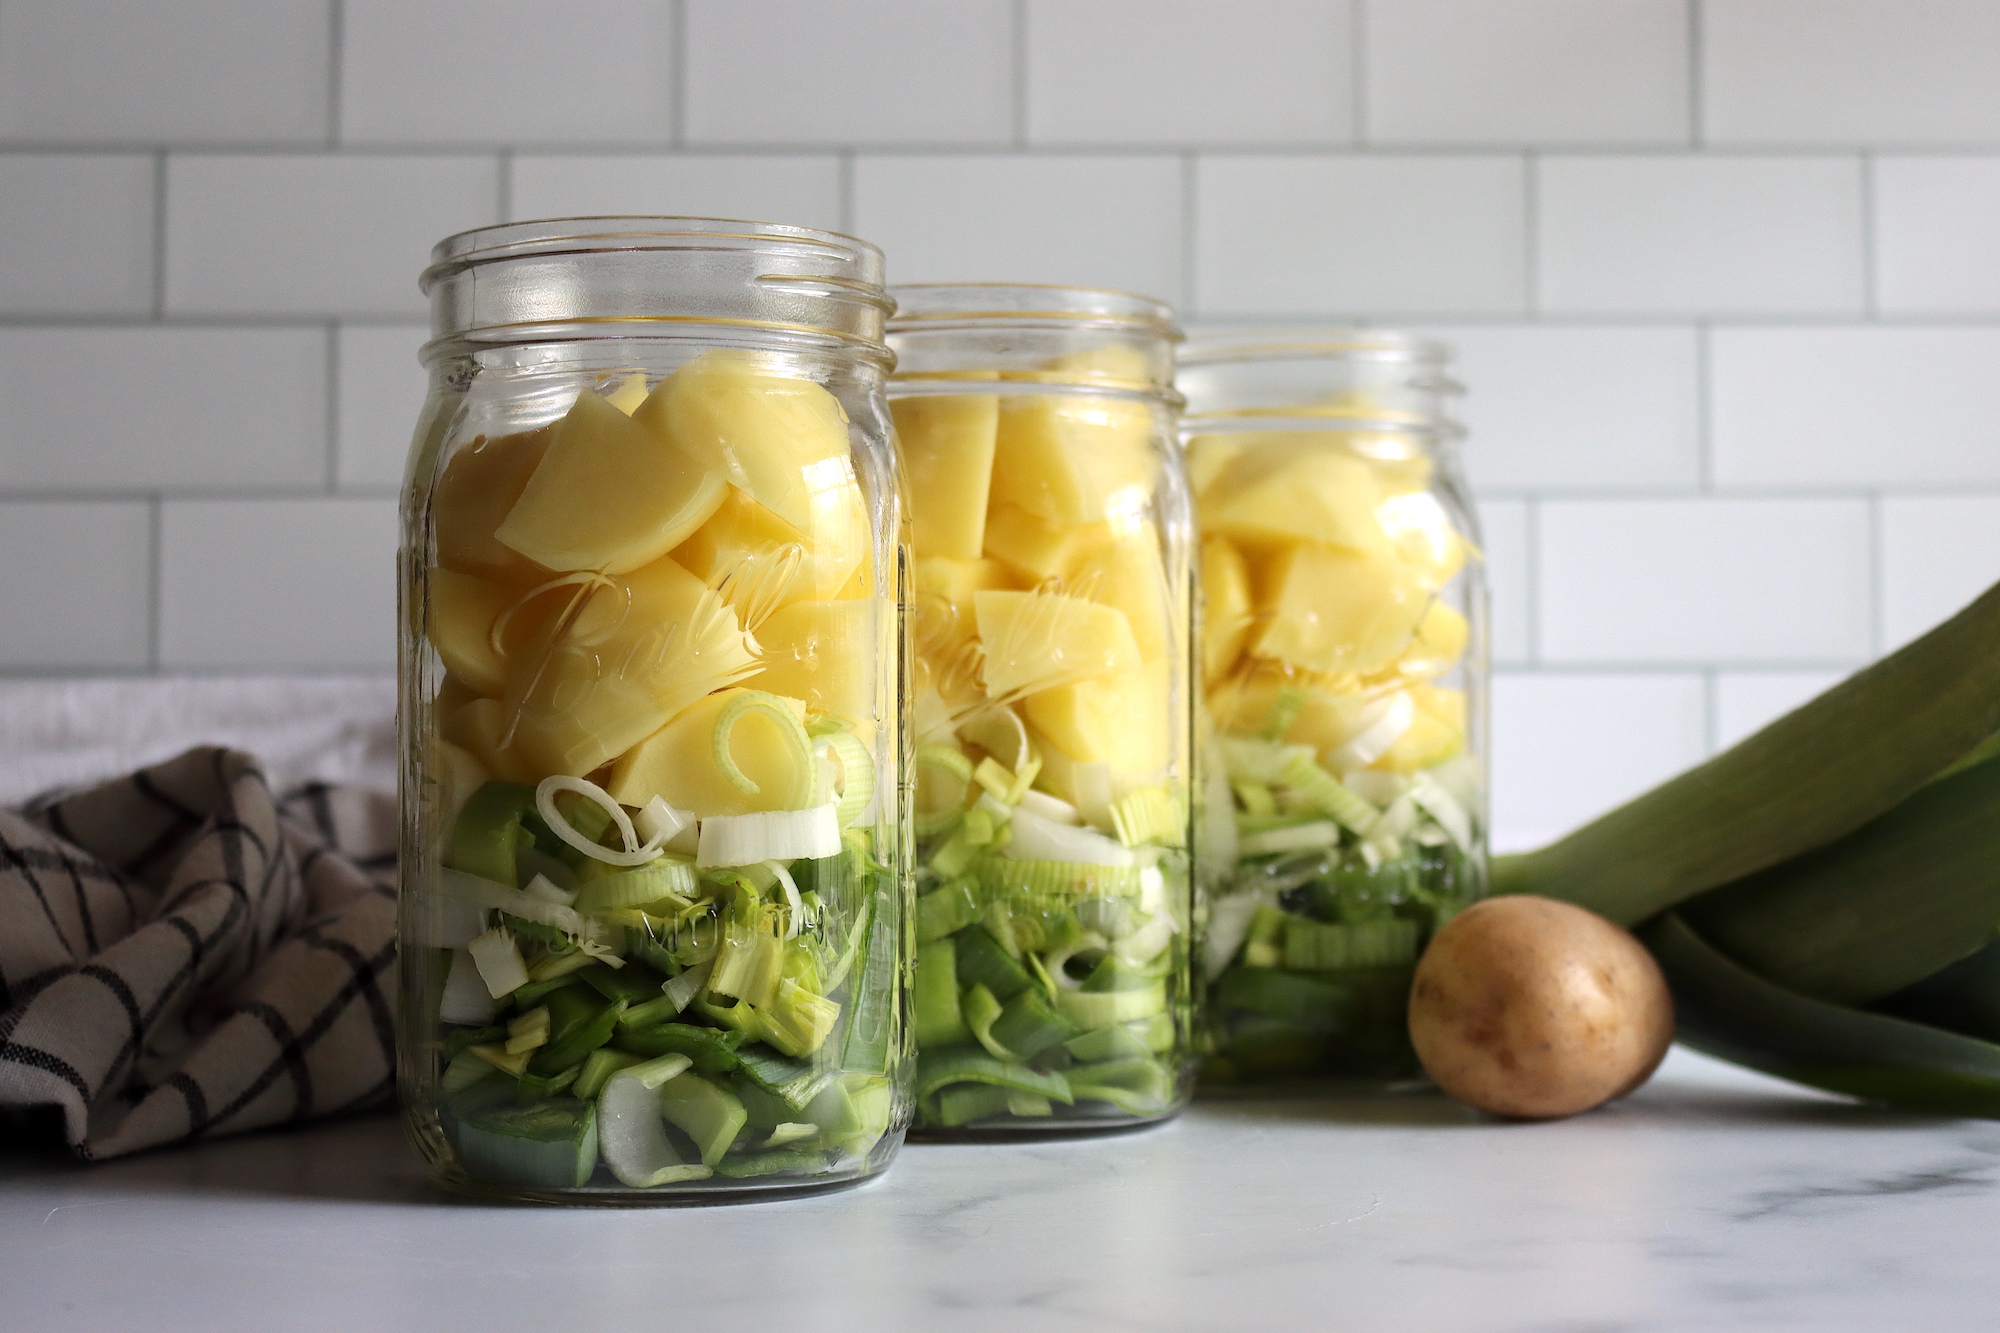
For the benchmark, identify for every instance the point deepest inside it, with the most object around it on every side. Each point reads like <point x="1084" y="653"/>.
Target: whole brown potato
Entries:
<point x="1531" y="1008"/>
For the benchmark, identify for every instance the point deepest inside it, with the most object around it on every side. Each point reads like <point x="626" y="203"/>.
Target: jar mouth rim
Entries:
<point x="615" y="232"/>
<point x="934" y="305"/>
<point x="1380" y="345"/>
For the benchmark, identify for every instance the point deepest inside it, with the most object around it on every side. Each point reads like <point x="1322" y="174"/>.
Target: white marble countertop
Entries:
<point x="1711" y="1199"/>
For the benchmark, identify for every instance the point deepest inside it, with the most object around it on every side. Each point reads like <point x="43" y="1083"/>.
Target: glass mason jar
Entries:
<point x="1343" y="652"/>
<point x="1052" y="705"/>
<point x="653" y="871"/>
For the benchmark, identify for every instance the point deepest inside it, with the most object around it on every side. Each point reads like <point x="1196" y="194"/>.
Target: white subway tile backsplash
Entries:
<point x="76" y="234"/>
<point x="1691" y="235"/>
<point x="802" y="190"/>
<point x="1555" y="408"/>
<point x="517" y="71"/>
<point x="1189" y="71"/>
<point x="1506" y="536"/>
<point x="1527" y="72"/>
<point x="1568" y="747"/>
<point x="1089" y="221"/>
<point x="378" y="397"/>
<point x="1938" y="553"/>
<point x="1746" y="700"/>
<point x="1854" y="406"/>
<point x="262" y="234"/>
<point x="1935" y="223"/>
<point x="76" y="579"/>
<point x="1850" y="71"/>
<point x="286" y="584"/>
<point x="1707" y="580"/>
<point x="859" y="71"/>
<point x="194" y="71"/>
<point x="129" y="409"/>
<point x="1361" y="234"/>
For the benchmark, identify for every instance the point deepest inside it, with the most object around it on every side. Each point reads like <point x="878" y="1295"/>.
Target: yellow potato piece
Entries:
<point x="1332" y="609"/>
<point x="631" y="392"/>
<point x="781" y="438"/>
<point x="1037" y="640"/>
<point x="1120" y="720"/>
<point x="946" y="445"/>
<point x="1130" y="574"/>
<point x="1207" y="457"/>
<point x="462" y="612"/>
<point x="826" y="653"/>
<point x="1436" y="733"/>
<point x="1227" y="614"/>
<point x="1037" y="549"/>
<point x="1424" y="536"/>
<point x="1327" y="717"/>
<point x="761" y="562"/>
<point x="1440" y="641"/>
<point x="609" y="495"/>
<point x="478" y="728"/>
<point x="1073" y="458"/>
<point x="943" y="624"/>
<point x="677" y="764"/>
<point x="1118" y="364"/>
<point x="480" y="484"/>
<point x="1276" y="492"/>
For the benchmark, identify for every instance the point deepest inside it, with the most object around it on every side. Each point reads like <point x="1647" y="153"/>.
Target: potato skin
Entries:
<point x="1535" y="1009"/>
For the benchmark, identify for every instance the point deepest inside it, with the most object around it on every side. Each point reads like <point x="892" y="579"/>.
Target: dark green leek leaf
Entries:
<point x="1964" y="998"/>
<point x="1903" y="896"/>
<point x="1810" y="777"/>
<point x="1724" y="1011"/>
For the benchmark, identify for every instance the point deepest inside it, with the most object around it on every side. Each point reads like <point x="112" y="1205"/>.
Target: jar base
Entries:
<point x="1040" y="1130"/>
<point x="697" y="1194"/>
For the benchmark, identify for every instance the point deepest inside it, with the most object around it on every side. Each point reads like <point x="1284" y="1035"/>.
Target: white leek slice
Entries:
<point x="1228" y="926"/>
<point x="1093" y="792"/>
<point x="1254" y="760"/>
<point x="853" y="781"/>
<point x="1049" y="807"/>
<point x="1441" y="805"/>
<point x="499" y="962"/>
<point x="1218" y="822"/>
<point x="1039" y="839"/>
<point x="791" y="1132"/>
<point x="465" y="999"/>
<point x="683" y="988"/>
<point x="1148" y="942"/>
<point x="661" y="823"/>
<point x="769" y="835"/>
<point x="1297" y="838"/>
<point x="1376" y="787"/>
<point x="541" y="887"/>
<point x="796" y="906"/>
<point x="631" y="1132"/>
<point x="545" y="804"/>
<point x="1383" y="723"/>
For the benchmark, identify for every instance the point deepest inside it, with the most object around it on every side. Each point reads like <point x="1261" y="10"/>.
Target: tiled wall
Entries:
<point x="1725" y="274"/>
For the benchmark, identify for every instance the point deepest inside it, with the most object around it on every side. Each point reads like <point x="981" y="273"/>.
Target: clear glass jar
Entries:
<point x="1343" y="651"/>
<point x="653" y="870"/>
<point x="1052" y="704"/>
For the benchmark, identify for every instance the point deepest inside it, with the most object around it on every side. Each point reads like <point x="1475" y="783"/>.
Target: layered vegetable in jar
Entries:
<point x="652" y="905"/>
<point x="1343" y="665"/>
<point x="1051" y="708"/>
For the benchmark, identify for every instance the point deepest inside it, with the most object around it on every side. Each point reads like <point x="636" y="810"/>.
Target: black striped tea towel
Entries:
<point x="183" y="955"/>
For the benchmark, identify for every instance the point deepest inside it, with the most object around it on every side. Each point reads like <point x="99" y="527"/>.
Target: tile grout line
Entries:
<point x="503" y="185"/>
<point x="1532" y="522"/>
<point x="1704" y="409"/>
<point x="844" y="187"/>
<point x="332" y="407"/>
<point x="1711" y="709"/>
<point x="1531" y="234"/>
<point x="1190" y="222"/>
<point x="1878" y="611"/>
<point x="155" y="577"/>
<point x="1871" y="277"/>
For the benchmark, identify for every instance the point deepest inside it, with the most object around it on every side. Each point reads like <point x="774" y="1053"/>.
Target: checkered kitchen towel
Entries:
<point x="184" y="955"/>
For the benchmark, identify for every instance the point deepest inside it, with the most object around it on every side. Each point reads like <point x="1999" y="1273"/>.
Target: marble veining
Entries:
<point x="1712" y="1199"/>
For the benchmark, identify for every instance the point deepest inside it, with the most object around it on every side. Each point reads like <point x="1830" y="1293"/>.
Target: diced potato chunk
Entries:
<point x="1037" y="640"/>
<point x="1130" y="574"/>
<point x="478" y="728"/>
<point x="1436" y="733"/>
<point x="677" y="763"/>
<point x="1277" y="492"/>
<point x="1423" y="534"/>
<point x="610" y="494"/>
<point x="1121" y="720"/>
<point x="943" y="623"/>
<point x="1073" y="459"/>
<point x="480" y="484"/>
<point x="1327" y="718"/>
<point x="825" y="653"/>
<point x="631" y="392"/>
<point x="1440" y="641"/>
<point x="1332" y="609"/>
<point x="946" y="444"/>
<point x="462" y="612"/>
<point x="1207" y="458"/>
<point x="1037" y="549"/>
<point x="761" y="562"/>
<point x="1227" y="615"/>
<point x="781" y="438"/>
